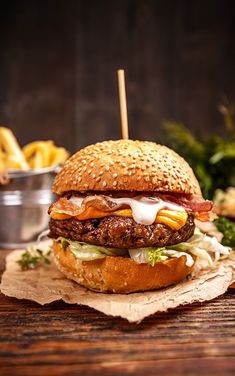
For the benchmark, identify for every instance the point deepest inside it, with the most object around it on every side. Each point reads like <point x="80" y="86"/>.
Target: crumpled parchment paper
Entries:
<point x="46" y="284"/>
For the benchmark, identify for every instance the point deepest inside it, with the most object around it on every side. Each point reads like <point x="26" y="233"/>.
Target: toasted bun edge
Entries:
<point x="119" y="274"/>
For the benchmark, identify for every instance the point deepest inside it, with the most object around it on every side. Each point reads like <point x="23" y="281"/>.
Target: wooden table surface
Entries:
<point x="61" y="339"/>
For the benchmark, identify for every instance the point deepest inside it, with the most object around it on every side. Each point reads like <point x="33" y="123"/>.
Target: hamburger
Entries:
<point x="124" y="218"/>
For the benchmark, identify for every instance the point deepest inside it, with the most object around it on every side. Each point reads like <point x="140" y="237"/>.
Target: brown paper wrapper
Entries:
<point x="46" y="284"/>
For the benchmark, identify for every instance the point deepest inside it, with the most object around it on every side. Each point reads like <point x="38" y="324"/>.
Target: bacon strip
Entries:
<point x="195" y="204"/>
<point x="190" y="202"/>
<point x="64" y="206"/>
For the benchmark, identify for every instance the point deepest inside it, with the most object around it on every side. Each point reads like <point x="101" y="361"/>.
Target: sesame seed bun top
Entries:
<point x="126" y="165"/>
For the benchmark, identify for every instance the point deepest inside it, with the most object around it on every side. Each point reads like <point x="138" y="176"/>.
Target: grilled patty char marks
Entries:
<point x="120" y="232"/>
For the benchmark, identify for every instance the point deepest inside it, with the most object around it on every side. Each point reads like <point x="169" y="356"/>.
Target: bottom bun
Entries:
<point x="119" y="274"/>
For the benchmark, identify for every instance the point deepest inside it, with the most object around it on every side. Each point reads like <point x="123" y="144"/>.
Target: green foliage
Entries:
<point x="227" y="228"/>
<point x="211" y="157"/>
<point x="32" y="258"/>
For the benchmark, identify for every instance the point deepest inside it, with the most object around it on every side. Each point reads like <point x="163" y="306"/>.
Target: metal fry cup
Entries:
<point x="23" y="206"/>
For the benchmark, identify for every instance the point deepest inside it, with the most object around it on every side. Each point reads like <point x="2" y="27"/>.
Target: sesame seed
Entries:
<point x="133" y="157"/>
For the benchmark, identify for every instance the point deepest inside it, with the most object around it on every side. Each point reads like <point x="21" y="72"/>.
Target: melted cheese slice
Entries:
<point x="175" y="219"/>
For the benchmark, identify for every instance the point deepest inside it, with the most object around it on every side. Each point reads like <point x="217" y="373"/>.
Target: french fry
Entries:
<point x="45" y="149"/>
<point x="30" y="149"/>
<point x="12" y="162"/>
<point x="58" y="156"/>
<point x="35" y="148"/>
<point x="2" y="154"/>
<point x="37" y="160"/>
<point x="2" y="164"/>
<point x="35" y="155"/>
<point x="2" y="160"/>
<point x="10" y="145"/>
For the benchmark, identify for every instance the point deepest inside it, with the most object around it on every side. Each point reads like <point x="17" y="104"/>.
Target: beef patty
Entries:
<point x="120" y="232"/>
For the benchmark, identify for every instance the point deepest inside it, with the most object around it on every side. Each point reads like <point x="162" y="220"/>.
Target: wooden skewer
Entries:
<point x="123" y="104"/>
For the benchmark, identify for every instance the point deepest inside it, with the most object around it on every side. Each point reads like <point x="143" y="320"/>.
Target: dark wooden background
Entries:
<point x="58" y="62"/>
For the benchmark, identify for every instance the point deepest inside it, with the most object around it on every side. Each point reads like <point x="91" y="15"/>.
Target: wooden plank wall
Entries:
<point x="58" y="62"/>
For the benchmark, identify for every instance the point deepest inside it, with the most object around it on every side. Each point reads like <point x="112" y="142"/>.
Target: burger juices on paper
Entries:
<point x="124" y="218"/>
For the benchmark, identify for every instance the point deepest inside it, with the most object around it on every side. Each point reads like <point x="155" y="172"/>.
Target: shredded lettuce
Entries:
<point x="205" y="247"/>
<point x="89" y="252"/>
<point x="148" y="255"/>
<point x="152" y="255"/>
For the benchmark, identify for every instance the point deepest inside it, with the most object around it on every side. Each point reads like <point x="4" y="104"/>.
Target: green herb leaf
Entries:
<point x="227" y="228"/>
<point x="33" y="258"/>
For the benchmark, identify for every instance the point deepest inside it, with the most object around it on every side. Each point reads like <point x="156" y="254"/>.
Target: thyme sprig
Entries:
<point x="33" y="257"/>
